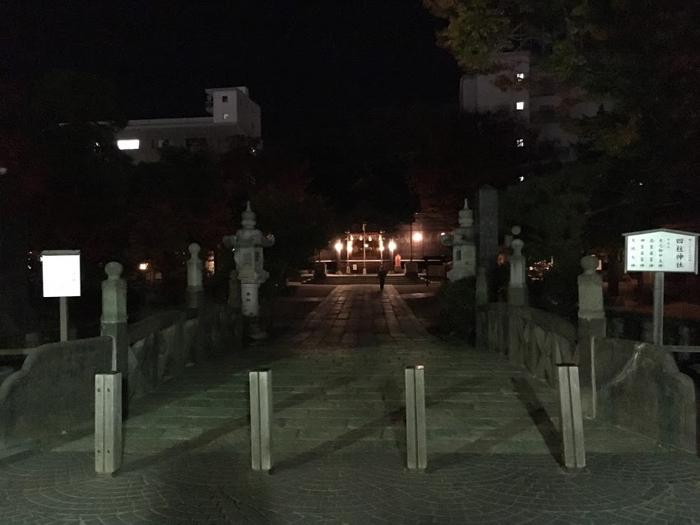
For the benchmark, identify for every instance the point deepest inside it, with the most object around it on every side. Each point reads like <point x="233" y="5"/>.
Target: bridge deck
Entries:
<point x="339" y="449"/>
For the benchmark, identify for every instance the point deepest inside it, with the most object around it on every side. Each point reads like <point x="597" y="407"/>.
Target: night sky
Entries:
<point x="306" y="62"/>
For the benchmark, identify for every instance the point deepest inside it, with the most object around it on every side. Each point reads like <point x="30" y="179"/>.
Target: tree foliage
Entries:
<point x="641" y="57"/>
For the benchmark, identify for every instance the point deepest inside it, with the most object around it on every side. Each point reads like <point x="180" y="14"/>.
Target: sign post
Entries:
<point x="660" y="251"/>
<point x="61" y="278"/>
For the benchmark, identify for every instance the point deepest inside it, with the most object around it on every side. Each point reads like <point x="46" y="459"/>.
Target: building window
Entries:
<point x="224" y="98"/>
<point x="519" y="143"/>
<point x="128" y="144"/>
<point x="520" y="105"/>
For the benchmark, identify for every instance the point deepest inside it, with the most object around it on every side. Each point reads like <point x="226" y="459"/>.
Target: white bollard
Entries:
<point x="571" y="417"/>
<point x="416" y="445"/>
<point x="108" y="422"/>
<point x="261" y="419"/>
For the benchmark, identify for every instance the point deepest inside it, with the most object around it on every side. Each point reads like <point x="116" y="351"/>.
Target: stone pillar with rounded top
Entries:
<point x="248" y="244"/>
<point x="517" y="285"/>
<point x="591" y="323"/>
<point x="114" y="318"/>
<point x="463" y="247"/>
<point x="195" y="288"/>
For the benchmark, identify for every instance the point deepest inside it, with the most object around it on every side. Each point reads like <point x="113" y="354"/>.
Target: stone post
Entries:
<point x="517" y="285"/>
<point x="591" y="322"/>
<point x="463" y="248"/>
<point x="482" y="287"/>
<point x="194" y="277"/>
<point x="248" y="244"/>
<point x="114" y="322"/>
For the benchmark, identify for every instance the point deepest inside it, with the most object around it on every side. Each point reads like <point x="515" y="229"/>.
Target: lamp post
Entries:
<point x="392" y="247"/>
<point x="381" y="250"/>
<point x="364" y="249"/>
<point x="338" y="249"/>
<point x="349" y="253"/>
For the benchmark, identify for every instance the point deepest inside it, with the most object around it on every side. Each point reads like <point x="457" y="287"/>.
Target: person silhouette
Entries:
<point x="381" y="274"/>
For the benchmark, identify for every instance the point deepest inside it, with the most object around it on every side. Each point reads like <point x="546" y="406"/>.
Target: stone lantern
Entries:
<point x="463" y="247"/>
<point x="248" y="244"/>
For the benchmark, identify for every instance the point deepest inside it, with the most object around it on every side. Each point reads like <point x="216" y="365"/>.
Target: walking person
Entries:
<point x="382" y="277"/>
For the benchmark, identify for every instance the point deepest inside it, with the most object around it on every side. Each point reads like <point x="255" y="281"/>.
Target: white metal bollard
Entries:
<point x="261" y="419"/>
<point x="108" y="422"/>
<point x="571" y="417"/>
<point x="416" y="446"/>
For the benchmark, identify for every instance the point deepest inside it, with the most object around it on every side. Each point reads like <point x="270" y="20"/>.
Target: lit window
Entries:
<point x="520" y="105"/>
<point x="224" y="98"/>
<point x="519" y="143"/>
<point x="128" y="144"/>
<point x="520" y="76"/>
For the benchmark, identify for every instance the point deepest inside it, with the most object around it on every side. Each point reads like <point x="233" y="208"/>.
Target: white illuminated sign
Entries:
<point x="126" y="144"/>
<point x="61" y="273"/>
<point x="661" y="250"/>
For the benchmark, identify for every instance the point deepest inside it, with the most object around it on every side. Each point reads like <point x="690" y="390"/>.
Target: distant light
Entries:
<point x="392" y="245"/>
<point x="3" y="170"/>
<point x="519" y="143"/>
<point x="641" y="184"/>
<point x="520" y="76"/>
<point x="226" y="115"/>
<point x="339" y="246"/>
<point x="126" y="144"/>
<point x="417" y="236"/>
<point x="442" y="233"/>
<point x="521" y="178"/>
<point x="143" y="266"/>
<point x="520" y="105"/>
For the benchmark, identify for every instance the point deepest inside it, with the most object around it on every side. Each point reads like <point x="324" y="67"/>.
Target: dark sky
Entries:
<point x="305" y="61"/>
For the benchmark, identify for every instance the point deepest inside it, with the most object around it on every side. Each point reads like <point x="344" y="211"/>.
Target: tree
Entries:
<point x="640" y="151"/>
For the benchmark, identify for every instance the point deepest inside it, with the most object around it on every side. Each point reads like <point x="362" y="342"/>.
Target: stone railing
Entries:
<point x="530" y="338"/>
<point x="161" y="345"/>
<point x="53" y="392"/>
<point x="640" y="387"/>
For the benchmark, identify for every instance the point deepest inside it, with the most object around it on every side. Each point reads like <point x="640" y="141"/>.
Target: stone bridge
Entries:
<point x="339" y="440"/>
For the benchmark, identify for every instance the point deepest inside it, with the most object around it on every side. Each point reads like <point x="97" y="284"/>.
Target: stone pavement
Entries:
<point x="339" y="450"/>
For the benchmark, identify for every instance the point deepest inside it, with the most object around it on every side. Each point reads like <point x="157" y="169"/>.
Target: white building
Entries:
<point x="234" y="121"/>
<point x="539" y="100"/>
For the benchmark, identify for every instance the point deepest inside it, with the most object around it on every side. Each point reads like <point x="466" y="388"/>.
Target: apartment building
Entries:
<point x="234" y="120"/>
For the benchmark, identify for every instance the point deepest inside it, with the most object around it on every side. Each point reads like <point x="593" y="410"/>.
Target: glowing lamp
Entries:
<point x="417" y="236"/>
<point x="127" y="144"/>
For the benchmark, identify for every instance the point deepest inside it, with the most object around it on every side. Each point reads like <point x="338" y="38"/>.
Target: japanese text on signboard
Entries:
<point x="661" y="251"/>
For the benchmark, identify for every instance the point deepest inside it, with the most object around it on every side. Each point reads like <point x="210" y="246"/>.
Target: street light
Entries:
<point x="338" y="248"/>
<point x="392" y="247"/>
<point x="364" y="250"/>
<point x="349" y="250"/>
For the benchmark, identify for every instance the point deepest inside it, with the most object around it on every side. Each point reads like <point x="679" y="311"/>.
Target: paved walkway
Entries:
<point x="339" y="448"/>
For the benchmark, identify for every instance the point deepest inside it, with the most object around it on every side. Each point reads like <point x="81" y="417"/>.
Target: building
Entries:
<point x="234" y="121"/>
<point x="526" y="93"/>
